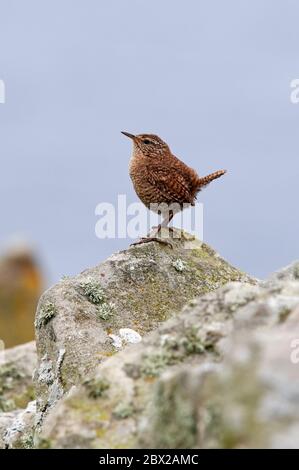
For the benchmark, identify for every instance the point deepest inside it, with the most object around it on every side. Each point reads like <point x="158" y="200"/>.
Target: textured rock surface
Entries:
<point x="17" y="428"/>
<point x="16" y="368"/>
<point x="252" y="400"/>
<point x="17" y="410"/>
<point x="6" y="420"/>
<point x="82" y="321"/>
<point x="221" y="372"/>
<point x="289" y="273"/>
<point x="172" y="390"/>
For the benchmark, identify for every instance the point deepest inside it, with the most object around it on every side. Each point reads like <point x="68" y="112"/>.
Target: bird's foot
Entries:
<point x="176" y="233"/>
<point x="152" y="239"/>
<point x="159" y="227"/>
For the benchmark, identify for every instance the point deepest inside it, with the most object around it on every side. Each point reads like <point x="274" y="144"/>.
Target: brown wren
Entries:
<point x="162" y="182"/>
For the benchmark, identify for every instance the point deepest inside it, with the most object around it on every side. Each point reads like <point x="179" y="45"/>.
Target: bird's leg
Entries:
<point x="165" y="223"/>
<point x="173" y="231"/>
<point x="156" y="238"/>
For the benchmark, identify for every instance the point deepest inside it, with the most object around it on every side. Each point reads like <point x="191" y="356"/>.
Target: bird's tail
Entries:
<point x="205" y="180"/>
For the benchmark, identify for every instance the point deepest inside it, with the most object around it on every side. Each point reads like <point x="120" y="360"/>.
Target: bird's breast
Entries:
<point x="147" y="193"/>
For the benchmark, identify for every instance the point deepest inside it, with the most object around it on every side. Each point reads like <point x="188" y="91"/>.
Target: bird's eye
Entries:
<point x="146" y="141"/>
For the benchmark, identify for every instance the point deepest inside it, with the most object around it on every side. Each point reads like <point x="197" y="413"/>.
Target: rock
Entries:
<point x="250" y="400"/>
<point x="253" y="398"/>
<point x="157" y="348"/>
<point x="6" y="420"/>
<point x="289" y="273"/>
<point x="17" y="410"/>
<point x="16" y="368"/>
<point x="17" y="428"/>
<point x="83" y="321"/>
<point x="172" y="391"/>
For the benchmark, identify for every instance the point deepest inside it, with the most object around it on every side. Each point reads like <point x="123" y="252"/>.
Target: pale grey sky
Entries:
<point x="210" y="77"/>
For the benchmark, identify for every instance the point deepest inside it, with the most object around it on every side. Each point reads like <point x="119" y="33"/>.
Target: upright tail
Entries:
<point x="205" y="180"/>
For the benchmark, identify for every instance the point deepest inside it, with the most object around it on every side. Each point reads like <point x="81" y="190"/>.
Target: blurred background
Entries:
<point x="210" y="77"/>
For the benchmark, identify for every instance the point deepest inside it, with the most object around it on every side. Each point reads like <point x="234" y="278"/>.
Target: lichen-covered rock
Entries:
<point x="17" y="428"/>
<point x="17" y="410"/>
<point x="82" y="321"/>
<point x="252" y="400"/>
<point x="16" y="369"/>
<point x="249" y="401"/>
<point x="172" y="391"/>
<point x="289" y="273"/>
<point x="6" y="420"/>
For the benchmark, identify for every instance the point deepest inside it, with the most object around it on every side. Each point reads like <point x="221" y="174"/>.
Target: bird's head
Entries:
<point x="149" y="145"/>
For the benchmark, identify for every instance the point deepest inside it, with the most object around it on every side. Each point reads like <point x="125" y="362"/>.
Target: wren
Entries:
<point x="162" y="182"/>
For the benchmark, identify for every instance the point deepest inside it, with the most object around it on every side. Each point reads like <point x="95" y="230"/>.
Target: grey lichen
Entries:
<point x="192" y="342"/>
<point x="154" y="364"/>
<point x="96" y="387"/>
<point x="105" y="311"/>
<point x="50" y="375"/>
<point x="174" y="351"/>
<point x="19" y="431"/>
<point x="7" y="404"/>
<point x="27" y="442"/>
<point x="93" y="291"/>
<point x="47" y="312"/>
<point x="173" y="420"/>
<point x="123" y="411"/>
<point x="9" y="376"/>
<point x="179" y="265"/>
<point x="45" y="372"/>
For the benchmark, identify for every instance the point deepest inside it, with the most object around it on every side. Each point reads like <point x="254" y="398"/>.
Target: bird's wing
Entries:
<point x="170" y="183"/>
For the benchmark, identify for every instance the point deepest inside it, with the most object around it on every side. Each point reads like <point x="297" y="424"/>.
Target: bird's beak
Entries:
<point x="127" y="134"/>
